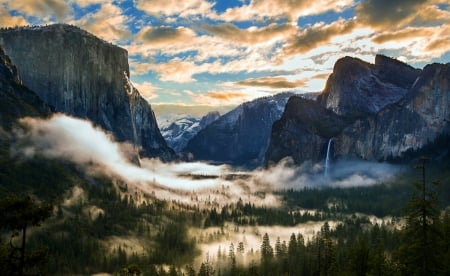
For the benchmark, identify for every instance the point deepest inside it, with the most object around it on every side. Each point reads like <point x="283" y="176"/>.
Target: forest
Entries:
<point x="56" y="220"/>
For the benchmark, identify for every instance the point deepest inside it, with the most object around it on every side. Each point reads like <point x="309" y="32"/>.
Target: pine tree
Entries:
<point x="420" y="252"/>
<point x="18" y="214"/>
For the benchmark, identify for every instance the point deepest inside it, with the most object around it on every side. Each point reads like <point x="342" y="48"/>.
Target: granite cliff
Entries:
<point x="16" y="100"/>
<point x="356" y="88"/>
<point x="374" y="112"/>
<point x="241" y="136"/>
<point x="81" y="75"/>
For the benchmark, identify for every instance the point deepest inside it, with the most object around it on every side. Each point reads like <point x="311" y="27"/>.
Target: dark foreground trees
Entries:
<point x="17" y="214"/>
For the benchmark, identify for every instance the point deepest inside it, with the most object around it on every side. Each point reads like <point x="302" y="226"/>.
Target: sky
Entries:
<point x="225" y="52"/>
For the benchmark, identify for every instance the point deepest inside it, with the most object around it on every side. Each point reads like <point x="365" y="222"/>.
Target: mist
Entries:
<point x="96" y="151"/>
<point x="196" y="183"/>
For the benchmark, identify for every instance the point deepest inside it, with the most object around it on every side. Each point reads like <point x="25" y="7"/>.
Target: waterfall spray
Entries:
<point x="327" y="158"/>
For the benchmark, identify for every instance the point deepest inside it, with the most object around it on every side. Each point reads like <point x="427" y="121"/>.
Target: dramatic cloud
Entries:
<point x="251" y="35"/>
<point x="318" y="35"/>
<point x="164" y="35"/>
<point x="387" y="14"/>
<point x="147" y="90"/>
<point x="263" y="9"/>
<point x="220" y="97"/>
<point x="404" y="34"/>
<point x="175" y="7"/>
<point x="86" y="3"/>
<point x="108" y="23"/>
<point x="7" y="20"/>
<point x="272" y="82"/>
<point x="41" y="8"/>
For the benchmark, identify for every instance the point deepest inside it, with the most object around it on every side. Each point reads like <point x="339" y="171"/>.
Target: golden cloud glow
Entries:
<point x="147" y="90"/>
<point x="175" y="7"/>
<point x="272" y="82"/>
<point x="107" y="23"/>
<point x="262" y="9"/>
<point x="220" y="97"/>
<point x="387" y="14"/>
<point x="251" y="35"/>
<point x="43" y="8"/>
<point x="317" y="35"/>
<point x="6" y="20"/>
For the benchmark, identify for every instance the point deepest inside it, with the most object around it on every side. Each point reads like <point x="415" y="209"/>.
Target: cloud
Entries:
<point x="6" y="20"/>
<point x="272" y="82"/>
<point x="387" y="14"/>
<point x="252" y="35"/>
<point x="263" y="9"/>
<point x="86" y="3"/>
<point x="175" y="8"/>
<point x="220" y="97"/>
<point x="164" y="35"/>
<point x="318" y="35"/>
<point x="147" y="90"/>
<point x="108" y="23"/>
<point x="401" y="35"/>
<point x="344" y="174"/>
<point x="77" y="140"/>
<point x="40" y="8"/>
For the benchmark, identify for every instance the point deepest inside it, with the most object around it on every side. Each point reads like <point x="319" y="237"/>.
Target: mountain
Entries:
<point x="374" y="111"/>
<point x="356" y="88"/>
<point x="16" y="100"/>
<point x="421" y="117"/>
<point x="178" y="133"/>
<point x="241" y="136"/>
<point x="303" y="131"/>
<point x="86" y="77"/>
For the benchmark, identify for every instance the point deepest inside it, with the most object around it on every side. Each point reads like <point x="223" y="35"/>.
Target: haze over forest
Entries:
<point x="243" y="137"/>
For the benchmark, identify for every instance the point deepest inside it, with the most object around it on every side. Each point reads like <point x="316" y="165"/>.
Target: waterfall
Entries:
<point x="327" y="158"/>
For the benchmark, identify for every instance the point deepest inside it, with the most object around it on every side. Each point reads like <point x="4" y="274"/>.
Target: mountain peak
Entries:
<point x="357" y="88"/>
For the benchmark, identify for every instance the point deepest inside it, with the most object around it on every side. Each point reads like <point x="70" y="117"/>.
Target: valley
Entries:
<point x="329" y="183"/>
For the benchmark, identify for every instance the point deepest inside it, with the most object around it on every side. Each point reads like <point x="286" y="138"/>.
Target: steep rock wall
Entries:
<point x="81" y="75"/>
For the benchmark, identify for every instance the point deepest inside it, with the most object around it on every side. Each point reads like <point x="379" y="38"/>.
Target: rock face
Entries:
<point x="418" y="119"/>
<point x="356" y="88"/>
<point x="374" y="112"/>
<point x="178" y="133"/>
<point x="303" y="131"/>
<point x="16" y="100"/>
<point x="241" y="136"/>
<point x="81" y="75"/>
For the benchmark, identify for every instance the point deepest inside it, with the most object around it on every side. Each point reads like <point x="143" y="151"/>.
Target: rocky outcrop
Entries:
<point x="303" y="131"/>
<point x="178" y="133"/>
<point x="81" y="75"/>
<point x="16" y="100"/>
<point x="241" y="136"/>
<point x="356" y="88"/>
<point x="418" y="119"/>
<point x="373" y="112"/>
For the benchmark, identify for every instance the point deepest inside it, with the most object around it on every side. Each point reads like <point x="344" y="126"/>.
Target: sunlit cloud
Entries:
<point x="173" y="7"/>
<point x="7" y="20"/>
<point x="386" y="14"/>
<point x="318" y="35"/>
<point x="46" y="9"/>
<point x="263" y="9"/>
<point x="220" y="97"/>
<point x="108" y="23"/>
<point x="147" y="90"/>
<point x="272" y="82"/>
<point x="251" y="35"/>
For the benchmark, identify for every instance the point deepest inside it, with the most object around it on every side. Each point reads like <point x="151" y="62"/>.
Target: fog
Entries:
<point x="80" y="141"/>
<point x="196" y="183"/>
